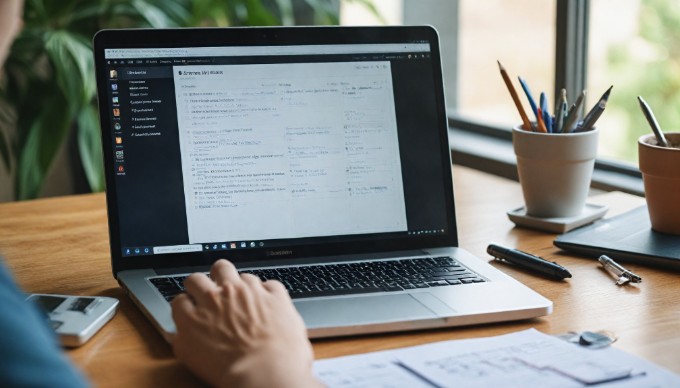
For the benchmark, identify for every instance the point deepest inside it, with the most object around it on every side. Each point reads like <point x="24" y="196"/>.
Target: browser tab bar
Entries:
<point x="264" y="50"/>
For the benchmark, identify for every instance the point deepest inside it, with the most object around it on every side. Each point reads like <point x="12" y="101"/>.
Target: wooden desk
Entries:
<point x="60" y="245"/>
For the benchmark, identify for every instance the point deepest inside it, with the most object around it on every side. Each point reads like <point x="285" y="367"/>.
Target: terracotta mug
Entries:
<point x="660" y="167"/>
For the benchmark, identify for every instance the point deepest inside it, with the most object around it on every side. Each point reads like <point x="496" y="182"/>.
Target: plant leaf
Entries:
<point x="176" y="10"/>
<point x="215" y="13"/>
<point x="44" y="140"/>
<point x="4" y="153"/>
<point x="90" y="147"/>
<point x="325" y="11"/>
<point x="73" y="65"/>
<point x="153" y="15"/>
<point x="7" y="123"/>
<point x="258" y="15"/>
<point x="87" y="13"/>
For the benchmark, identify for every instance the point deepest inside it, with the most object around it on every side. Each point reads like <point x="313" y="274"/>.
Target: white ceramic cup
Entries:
<point x="555" y="170"/>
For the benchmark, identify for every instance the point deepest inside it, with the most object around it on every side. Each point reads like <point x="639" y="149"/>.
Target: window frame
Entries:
<point x="488" y="148"/>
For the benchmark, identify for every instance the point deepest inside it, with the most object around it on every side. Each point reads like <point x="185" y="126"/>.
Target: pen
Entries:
<point x="649" y="115"/>
<point x="581" y="104"/>
<point x="574" y="113"/>
<point x="525" y="260"/>
<point x="595" y="113"/>
<point x="530" y="97"/>
<point x="515" y="97"/>
<point x="547" y="119"/>
<point x="561" y="111"/>
<point x="624" y="276"/>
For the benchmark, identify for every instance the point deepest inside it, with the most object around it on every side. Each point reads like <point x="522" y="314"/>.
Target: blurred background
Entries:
<point x="49" y="130"/>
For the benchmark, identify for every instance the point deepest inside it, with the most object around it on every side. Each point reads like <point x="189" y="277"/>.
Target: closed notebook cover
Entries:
<point x="626" y="237"/>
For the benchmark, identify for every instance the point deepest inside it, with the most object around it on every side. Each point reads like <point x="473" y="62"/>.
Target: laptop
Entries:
<point x="318" y="156"/>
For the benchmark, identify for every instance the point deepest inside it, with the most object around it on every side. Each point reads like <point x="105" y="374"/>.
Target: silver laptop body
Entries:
<point x="282" y="148"/>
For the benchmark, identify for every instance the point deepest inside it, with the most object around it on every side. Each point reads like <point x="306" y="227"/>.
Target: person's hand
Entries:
<point x="235" y="330"/>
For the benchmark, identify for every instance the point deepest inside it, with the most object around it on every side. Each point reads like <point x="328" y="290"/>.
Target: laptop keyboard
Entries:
<point x="350" y="278"/>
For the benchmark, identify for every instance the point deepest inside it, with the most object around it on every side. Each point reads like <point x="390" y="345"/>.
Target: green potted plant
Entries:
<point x="48" y="89"/>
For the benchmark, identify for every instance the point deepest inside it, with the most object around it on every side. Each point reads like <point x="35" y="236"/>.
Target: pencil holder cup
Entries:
<point x="660" y="167"/>
<point x="555" y="170"/>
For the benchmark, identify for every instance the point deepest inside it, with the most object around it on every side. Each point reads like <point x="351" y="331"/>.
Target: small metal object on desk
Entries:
<point x="589" y="339"/>
<point x="624" y="276"/>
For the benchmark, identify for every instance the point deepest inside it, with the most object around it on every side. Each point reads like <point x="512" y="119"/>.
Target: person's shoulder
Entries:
<point x="31" y="354"/>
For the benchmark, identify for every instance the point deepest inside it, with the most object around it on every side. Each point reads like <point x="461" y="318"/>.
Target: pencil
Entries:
<point x="513" y="93"/>
<point x="540" y="125"/>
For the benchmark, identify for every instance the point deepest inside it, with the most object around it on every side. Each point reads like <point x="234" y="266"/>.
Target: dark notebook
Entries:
<point x="626" y="237"/>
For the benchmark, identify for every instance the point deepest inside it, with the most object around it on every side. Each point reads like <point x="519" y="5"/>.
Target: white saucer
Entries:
<point x="591" y="212"/>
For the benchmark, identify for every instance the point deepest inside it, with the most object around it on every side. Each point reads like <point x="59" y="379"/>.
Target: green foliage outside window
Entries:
<point x="657" y="81"/>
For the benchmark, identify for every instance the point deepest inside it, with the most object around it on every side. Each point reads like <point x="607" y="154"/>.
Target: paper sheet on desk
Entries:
<point x="366" y="370"/>
<point x="522" y="359"/>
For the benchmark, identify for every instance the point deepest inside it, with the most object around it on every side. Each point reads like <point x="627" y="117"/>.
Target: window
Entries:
<point x="521" y="35"/>
<point x="576" y="44"/>
<point x="634" y="45"/>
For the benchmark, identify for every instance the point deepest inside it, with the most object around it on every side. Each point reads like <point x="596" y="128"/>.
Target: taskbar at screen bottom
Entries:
<point x="226" y="246"/>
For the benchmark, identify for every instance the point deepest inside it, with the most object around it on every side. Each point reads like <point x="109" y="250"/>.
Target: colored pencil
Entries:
<point x="513" y="93"/>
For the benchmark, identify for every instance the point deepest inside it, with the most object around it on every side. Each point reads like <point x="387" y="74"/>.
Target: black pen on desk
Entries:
<point x="526" y="260"/>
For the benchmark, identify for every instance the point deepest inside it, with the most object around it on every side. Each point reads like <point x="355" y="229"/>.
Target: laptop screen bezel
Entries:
<point x="264" y="36"/>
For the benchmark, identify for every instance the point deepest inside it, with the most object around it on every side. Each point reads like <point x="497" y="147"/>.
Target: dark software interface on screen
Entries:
<point x="237" y="148"/>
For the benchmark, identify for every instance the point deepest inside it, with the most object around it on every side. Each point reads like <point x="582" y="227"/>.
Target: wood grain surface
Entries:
<point x="60" y="245"/>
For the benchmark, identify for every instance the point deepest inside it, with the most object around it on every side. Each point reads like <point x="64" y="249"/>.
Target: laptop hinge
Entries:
<point x="331" y="259"/>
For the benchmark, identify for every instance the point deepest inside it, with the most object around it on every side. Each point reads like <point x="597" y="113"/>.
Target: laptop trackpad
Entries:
<point x="357" y="310"/>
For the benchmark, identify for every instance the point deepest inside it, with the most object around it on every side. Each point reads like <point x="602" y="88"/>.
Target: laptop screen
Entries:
<point x="266" y="147"/>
